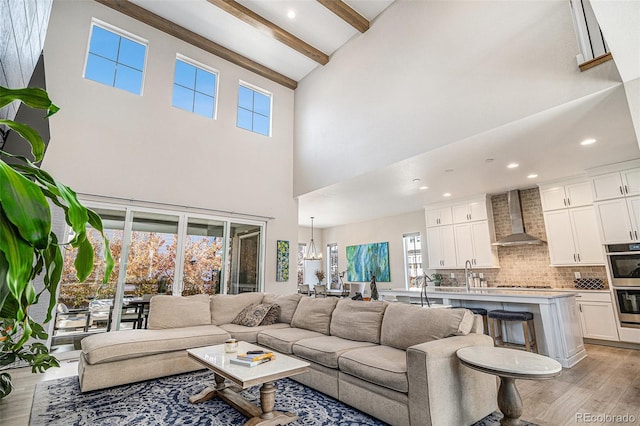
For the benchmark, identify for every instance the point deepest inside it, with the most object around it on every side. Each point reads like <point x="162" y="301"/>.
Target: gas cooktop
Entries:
<point x="524" y="286"/>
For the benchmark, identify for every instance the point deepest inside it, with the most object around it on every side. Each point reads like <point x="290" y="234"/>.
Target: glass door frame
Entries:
<point x="183" y="220"/>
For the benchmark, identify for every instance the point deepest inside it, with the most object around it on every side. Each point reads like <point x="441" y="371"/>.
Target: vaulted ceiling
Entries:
<point x="280" y="40"/>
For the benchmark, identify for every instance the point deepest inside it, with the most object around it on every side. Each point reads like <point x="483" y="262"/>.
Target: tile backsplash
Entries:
<point x="526" y="265"/>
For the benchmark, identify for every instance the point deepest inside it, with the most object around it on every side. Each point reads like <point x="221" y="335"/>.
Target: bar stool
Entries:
<point x="483" y="312"/>
<point x="496" y="319"/>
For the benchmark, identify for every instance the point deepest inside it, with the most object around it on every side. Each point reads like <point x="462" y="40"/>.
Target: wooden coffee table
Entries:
<point x="215" y="359"/>
<point x="509" y="364"/>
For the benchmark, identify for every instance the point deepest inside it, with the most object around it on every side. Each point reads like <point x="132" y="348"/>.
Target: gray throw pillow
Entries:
<point x="272" y="316"/>
<point x="252" y="315"/>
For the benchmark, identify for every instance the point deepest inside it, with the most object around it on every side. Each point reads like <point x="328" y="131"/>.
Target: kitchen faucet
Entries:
<point x="467" y="272"/>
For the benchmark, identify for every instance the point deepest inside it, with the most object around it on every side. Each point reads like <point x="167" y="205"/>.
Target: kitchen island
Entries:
<point x="556" y="316"/>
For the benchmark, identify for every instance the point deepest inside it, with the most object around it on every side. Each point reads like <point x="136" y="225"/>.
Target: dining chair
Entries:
<point x="320" y="290"/>
<point x="304" y="289"/>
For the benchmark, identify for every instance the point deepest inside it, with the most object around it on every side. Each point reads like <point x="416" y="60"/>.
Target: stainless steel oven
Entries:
<point x="628" y="303"/>
<point x="624" y="264"/>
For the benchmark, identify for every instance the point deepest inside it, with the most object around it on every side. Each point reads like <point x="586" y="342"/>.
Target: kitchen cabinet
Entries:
<point x="619" y="219"/>
<point x="470" y="211"/>
<point x="597" y="317"/>
<point x="617" y="184"/>
<point x="441" y="247"/>
<point x="473" y="242"/>
<point x="573" y="237"/>
<point x="450" y="245"/>
<point x="439" y="216"/>
<point x="564" y="196"/>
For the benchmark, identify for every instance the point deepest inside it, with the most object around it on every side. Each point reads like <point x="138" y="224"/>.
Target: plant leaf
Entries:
<point x="78" y="216"/>
<point x="32" y="96"/>
<point x="25" y="206"/>
<point x="96" y="223"/>
<point x="30" y="135"/>
<point x="19" y="255"/>
<point x="84" y="260"/>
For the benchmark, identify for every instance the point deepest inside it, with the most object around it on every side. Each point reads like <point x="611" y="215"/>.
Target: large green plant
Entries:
<point x="28" y="247"/>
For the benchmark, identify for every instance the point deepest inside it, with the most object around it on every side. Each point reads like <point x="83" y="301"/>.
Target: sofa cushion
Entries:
<point x="225" y="307"/>
<point x="287" y="302"/>
<point x="407" y="325"/>
<point x="107" y="347"/>
<point x="282" y="340"/>
<point x="356" y="320"/>
<point x="314" y="314"/>
<point x="179" y="311"/>
<point x="325" y="350"/>
<point x="249" y="334"/>
<point x="381" y="365"/>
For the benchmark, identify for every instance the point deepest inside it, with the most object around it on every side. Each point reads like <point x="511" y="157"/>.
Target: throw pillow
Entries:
<point x="272" y="316"/>
<point x="252" y="315"/>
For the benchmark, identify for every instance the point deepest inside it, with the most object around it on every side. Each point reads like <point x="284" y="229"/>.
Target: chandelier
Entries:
<point x="311" y="250"/>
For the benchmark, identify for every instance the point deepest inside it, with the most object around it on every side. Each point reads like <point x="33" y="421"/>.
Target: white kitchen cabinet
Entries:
<point x="439" y="216"/>
<point x="473" y="243"/>
<point x="619" y="219"/>
<point x="616" y="184"/>
<point x="573" y="237"/>
<point x="564" y="196"/>
<point x="470" y="211"/>
<point x="597" y="318"/>
<point x="441" y="247"/>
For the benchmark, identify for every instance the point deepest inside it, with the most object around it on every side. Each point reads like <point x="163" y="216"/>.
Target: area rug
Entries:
<point x="165" y="401"/>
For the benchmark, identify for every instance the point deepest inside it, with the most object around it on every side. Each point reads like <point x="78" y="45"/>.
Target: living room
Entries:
<point x="340" y="147"/>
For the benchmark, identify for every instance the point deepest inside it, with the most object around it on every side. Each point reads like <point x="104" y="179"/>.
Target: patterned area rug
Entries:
<point x="165" y="401"/>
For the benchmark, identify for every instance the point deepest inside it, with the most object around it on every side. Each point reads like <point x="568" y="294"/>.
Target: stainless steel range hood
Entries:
<point x="518" y="237"/>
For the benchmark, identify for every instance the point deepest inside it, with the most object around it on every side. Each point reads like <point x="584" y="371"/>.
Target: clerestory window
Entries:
<point x="116" y="58"/>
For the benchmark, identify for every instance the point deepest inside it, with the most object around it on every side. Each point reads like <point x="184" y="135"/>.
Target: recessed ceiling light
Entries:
<point x="489" y="160"/>
<point x="446" y="194"/>
<point x="512" y="165"/>
<point x="588" y="141"/>
<point x="424" y="187"/>
<point x="291" y="14"/>
<point x="448" y="170"/>
<point x="416" y="180"/>
<point x="532" y="176"/>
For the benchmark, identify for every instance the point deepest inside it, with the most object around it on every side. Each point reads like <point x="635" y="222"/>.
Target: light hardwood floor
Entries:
<point x="607" y="382"/>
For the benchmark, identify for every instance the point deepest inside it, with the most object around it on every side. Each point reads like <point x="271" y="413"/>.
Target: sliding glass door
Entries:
<point x="166" y="252"/>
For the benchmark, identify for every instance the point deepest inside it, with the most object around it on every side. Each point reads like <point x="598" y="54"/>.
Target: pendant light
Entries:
<point x="311" y="251"/>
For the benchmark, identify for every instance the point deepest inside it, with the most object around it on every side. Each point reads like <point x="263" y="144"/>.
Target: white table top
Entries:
<point x="509" y="362"/>
<point x="216" y="359"/>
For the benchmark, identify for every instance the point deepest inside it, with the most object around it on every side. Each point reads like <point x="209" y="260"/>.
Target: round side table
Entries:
<point x="509" y="364"/>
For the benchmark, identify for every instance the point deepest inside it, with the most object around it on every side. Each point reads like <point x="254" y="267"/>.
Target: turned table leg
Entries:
<point x="208" y="392"/>
<point x="509" y="402"/>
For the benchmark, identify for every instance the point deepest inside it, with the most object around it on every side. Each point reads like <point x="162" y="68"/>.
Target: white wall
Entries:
<point x="109" y="142"/>
<point x="429" y="73"/>
<point x="388" y="229"/>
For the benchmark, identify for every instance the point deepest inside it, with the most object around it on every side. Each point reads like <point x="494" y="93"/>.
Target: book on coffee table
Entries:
<point x="249" y="363"/>
<point x="255" y="356"/>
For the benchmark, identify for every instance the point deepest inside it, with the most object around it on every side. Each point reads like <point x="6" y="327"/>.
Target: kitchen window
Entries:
<point x="412" y="258"/>
<point x="115" y="58"/>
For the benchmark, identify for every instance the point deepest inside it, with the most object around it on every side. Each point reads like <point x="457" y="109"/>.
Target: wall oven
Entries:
<point x="624" y="266"/>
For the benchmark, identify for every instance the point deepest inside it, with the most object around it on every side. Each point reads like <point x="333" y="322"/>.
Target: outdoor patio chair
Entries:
<point x="71" y="319"/>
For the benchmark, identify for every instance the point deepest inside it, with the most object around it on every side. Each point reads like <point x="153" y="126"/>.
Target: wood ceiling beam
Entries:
<point x="143" y="15"/>
<point x="345" y="12"/>
<point x="272" y="30"/>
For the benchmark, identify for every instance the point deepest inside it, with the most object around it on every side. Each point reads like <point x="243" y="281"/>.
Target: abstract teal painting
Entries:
<point x="282" y="267"/>
<point x="367" y="259"/>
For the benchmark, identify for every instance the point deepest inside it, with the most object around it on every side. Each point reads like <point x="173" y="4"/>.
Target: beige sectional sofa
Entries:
<point x="394" y="361"/>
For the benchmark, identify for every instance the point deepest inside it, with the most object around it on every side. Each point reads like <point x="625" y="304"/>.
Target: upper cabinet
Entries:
<point x="616" y="184"/>
<point x="617" y="203"/>
<point x="459" y="232"/>
<point x="439" y="216"/>
<point x="470" y="211"/>
<point x="571" y="224"/>
<point x="562" y="196"/>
